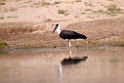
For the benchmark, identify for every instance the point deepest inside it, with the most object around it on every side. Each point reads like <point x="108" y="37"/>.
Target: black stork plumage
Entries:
<point x="68" y="34"/>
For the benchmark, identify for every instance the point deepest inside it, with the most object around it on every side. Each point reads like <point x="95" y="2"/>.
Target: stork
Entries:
<point x="68" y="34"/>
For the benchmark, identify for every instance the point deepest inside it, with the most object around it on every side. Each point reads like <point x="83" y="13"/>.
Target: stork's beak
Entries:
<point x="54" y="29"/>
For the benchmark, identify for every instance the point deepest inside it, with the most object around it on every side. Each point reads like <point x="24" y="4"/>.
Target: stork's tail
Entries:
<point x="83" y="36"/>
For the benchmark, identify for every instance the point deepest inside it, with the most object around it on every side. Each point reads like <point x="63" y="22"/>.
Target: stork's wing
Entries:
<point x="67" y="34"/>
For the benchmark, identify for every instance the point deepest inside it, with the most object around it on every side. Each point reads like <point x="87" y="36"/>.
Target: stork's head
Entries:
<point x="57" y="28"/>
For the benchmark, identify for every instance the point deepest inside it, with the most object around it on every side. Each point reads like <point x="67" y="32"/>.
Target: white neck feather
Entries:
<point x="58" y="30"/>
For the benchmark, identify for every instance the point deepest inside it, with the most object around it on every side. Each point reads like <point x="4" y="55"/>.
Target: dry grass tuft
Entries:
<point x="2" y="2"/>
<point x="42" y="3"/>
<point x="13" y="28"/>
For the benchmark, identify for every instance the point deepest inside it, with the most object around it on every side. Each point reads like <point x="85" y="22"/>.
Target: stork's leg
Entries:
<point x="69" y="43"/>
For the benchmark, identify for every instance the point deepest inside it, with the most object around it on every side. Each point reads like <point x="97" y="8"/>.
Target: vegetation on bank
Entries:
<point x="89" y="9"/>
<point x="2" y="44"/>
<point x="3" y="52"/>
<point x="2" y="2"/>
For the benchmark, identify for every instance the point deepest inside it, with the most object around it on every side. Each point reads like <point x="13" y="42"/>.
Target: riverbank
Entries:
<point x="26" y="35"/>
<point x="26" y="24"/>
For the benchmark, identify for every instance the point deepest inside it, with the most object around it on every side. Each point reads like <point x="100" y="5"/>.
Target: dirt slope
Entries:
<point x="29" y="23"/>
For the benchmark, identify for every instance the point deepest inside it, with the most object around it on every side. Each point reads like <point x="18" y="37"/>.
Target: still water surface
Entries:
<point x="104" y="65"/>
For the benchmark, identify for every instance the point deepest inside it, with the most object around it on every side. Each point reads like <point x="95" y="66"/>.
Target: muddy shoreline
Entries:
<point x="28" y="35"/>
<point x="29" y="23"/>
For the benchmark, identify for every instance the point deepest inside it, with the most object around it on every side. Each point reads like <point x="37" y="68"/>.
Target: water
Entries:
<point x="104" y="64"/>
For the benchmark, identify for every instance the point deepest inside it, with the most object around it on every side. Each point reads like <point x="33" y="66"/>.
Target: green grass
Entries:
<point x="78" y="0"/>
<point x="64" y="12"/>
<point x="1" y="17"/>
<point x="112" y="9"/>
<point x="99" y="11"/>
<point x="12" y="9"/>
<point x="42" y="3"/>
<point x="61" y="11"/>
<point x="27" y="1"/>
<point x="76" y="16"/>
<point x="88" y="9"/>
<point x="57" y="2"/>
<point x="3" y="52"/>
<point x="2" y="44"/>
<point x="2" y="2"/>
<point x="91" y="17"/>
<point x="82" y="12"/>
<point x="88" y="4"/>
